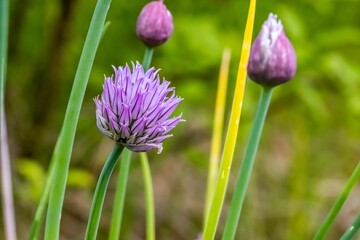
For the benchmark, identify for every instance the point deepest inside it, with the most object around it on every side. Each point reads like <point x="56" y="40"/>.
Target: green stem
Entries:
<point x="321" y="233"/>
<point x="4" y="32"/>
<point x="247" y="165"/>
<point x="352" y="230"/>
<point x="65" y="143"/>
<point x="147" y="58"/>
<point x="99" y="195"/>
<point x="149" y="198"/>
<point x="119" y="199"/>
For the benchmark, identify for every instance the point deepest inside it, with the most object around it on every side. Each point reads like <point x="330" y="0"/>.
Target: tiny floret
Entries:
<point x="272" y="58"/>
<point x="134" y="108"/>
<point x="154" y="25"/>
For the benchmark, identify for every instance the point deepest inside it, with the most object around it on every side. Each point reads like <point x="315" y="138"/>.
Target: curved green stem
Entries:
<point x="247" y="165"/>
<point x="119" y="199"/>
<point x="149" y="198"/>
<point x="99" y="195"/>
<point x="65" y="143"/>
<point x="35" y="226"/>
<point x="352" y="230"/>
<point x="338" y="204"/>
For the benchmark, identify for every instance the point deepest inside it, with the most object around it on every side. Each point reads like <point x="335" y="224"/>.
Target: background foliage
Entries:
<point x="309" y="147"/>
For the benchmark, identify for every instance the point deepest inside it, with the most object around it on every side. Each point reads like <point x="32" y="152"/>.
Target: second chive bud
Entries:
<point x="272" y="58"/>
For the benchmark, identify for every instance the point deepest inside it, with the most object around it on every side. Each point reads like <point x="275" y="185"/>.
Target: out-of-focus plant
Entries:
<point x="216" y="143"/>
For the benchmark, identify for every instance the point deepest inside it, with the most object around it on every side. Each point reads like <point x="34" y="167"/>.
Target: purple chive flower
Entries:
<point x="272" y="58"/>
<point x="134" y="108"/>
<point x="155" y="24"/>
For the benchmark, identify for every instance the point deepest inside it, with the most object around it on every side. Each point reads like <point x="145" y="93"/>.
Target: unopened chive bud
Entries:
<point x="272" y="58"/>
<point x="154" y="24"/>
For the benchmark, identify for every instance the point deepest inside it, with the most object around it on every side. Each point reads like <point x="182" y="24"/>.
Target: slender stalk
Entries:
<point x="247" y="165"/>
<point x="149" y="195"/>
<point x="99" y="195"/>
<point x="352" y="230"/>
<point x="147" y="58"/>
<point x="149" y="198"/>
<point x="6" y="178"/>
<point x="119" y="199"/>
<point x="230" y="141"/>
<point x="217" y="129"/>
<point x="65" y="143"/>
<point x="321" y="233"/>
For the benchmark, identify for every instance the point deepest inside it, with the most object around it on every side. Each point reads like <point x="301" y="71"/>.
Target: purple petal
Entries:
<point x="144" y="147"/>
<point x="139" y="125"/>
<point x="169" y="109"/>
<point x="156" y="131"/>
<point x="124" y="131"/>
<point x="136" y="110"/>
<point x="118" y="103"/>
<point x="141" y="139"/>
<point x="149" y="101"/>
<point x="171" y="123"/>
<point x="160" y="139"/>
<point x="108" y="94"/>
<point x="114" y="126"/>
<point x="125" y="116"/>
<point x="141" y="147"/>
<point x="108" y="113"/>
<point x="101" y="123"/>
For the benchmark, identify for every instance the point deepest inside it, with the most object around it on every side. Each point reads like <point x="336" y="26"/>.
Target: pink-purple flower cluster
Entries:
<point x="134" y="108"/>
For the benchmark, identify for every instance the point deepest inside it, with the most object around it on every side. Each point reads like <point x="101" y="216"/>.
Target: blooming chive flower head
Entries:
<point x="272" y="58"/>
<point x="134" y="108"/>
<point x="155" y="24"/>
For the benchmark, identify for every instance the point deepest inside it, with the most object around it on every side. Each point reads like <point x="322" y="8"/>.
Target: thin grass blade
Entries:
<point x="230" y="141"/>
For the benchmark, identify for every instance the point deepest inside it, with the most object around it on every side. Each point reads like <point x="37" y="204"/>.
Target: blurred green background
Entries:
<point x="310" y="145"/>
